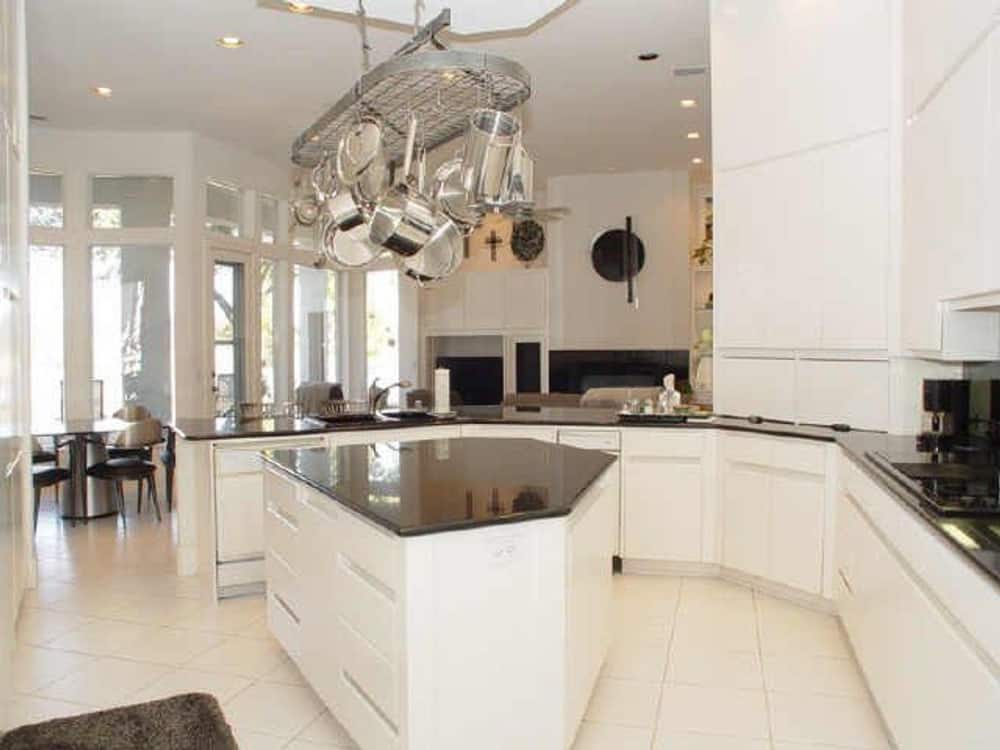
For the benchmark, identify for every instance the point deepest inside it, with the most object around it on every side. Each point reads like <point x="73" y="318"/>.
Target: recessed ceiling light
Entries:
<point x="299" y="7"/>
<point x="647" y="56"/>
<point x="688" y="103"/>
<point x="697" y="160"/>
<point x="101" y="91"/>
<point x="693" y="135"/>
<point x="230" y="42"/>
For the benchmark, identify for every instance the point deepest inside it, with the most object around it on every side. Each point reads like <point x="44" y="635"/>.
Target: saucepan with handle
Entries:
<point x="489" y="145"/>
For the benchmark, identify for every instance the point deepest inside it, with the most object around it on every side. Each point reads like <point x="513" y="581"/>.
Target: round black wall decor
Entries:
<point x="608" y="255"/>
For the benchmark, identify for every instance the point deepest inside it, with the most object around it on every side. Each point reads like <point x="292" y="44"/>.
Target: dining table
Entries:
<point x="83" y="497"/>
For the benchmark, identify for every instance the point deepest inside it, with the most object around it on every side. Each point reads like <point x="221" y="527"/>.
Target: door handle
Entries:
<point x="12" y="466"/>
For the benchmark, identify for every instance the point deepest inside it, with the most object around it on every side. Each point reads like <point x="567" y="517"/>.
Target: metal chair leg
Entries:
<point x="170" y="487"/>
<point x="151" y="483"/>
<point x="120" y="492"/>
<point x="38" y="501"/>
<point x="138" y="494"/>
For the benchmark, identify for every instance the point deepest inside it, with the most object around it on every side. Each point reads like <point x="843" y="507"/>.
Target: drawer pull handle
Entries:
<point x="288" y="610"/>
<point x="290" y="521"/>
<point x="362" y="695"/>
<point x="847" y="583"/>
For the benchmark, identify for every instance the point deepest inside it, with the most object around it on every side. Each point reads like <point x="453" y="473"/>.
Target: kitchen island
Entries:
<point x="443" y="594"/>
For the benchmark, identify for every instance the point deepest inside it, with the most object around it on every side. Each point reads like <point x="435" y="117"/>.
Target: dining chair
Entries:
<point x="131" y="413"/>
<point x="44" y="476"/>
<point x="132" y="467"/>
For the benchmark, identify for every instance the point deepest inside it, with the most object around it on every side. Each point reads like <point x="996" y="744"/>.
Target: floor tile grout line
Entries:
<point x="666" y="663"/>
<point x="760" y="661"/>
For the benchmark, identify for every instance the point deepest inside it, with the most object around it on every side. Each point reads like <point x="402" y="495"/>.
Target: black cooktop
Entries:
<point x="962" y="481"/>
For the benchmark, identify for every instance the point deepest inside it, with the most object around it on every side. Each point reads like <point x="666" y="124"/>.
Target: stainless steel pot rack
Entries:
<point x="440" y="86"/>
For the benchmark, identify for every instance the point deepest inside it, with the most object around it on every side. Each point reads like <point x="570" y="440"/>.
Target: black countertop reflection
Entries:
<point x="428" y="486"/>
<point x="978" y="538"/>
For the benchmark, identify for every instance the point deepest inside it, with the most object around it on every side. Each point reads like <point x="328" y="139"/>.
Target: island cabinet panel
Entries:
<point x="664" y="494"/>
<point x="932" y="685"/>
<point x="533" y="432"/>
<point x="490" y="637"/>
<point x="774" y="498"/>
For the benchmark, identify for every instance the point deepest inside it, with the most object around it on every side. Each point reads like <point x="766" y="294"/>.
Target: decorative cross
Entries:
<point x="494" y="242"/>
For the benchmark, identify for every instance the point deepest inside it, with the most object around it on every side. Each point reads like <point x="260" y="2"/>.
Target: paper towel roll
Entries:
<point x="442" y="390"/>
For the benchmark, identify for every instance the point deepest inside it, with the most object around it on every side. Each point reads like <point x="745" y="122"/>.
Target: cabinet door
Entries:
<point x="239" y="521"/>
<point x="747" y="507"/>
<point x="663" y="508"/>
<point x="442" y="305"/>
<point x="524" y="299"/>
<point x="795" y="534"/>
<point x="484" y="301"/>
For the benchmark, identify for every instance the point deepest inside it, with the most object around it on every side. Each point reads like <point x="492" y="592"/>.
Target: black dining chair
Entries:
<point x="132" y="468"/>
<point x="168" y="457"/>
<point x="46" y="472"/>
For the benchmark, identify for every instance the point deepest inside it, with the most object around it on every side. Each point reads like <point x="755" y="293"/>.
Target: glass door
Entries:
<point x="229" y="338"/>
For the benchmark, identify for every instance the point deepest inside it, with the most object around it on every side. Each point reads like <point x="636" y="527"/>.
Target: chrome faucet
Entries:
<point x="376" y="395"/>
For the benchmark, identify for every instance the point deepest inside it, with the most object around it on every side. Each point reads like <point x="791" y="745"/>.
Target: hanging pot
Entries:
<point x="324" y="178"/>
<point x="489" y="145"/>
<point x="440" y="256"/>
<point x="521" y="184"/>
<point x="404" y="219"/>
<point x="451" y="197"/>
<point x="306" y="210"/>
<point x="361" y="164"/>
<point x="351" y="249"/>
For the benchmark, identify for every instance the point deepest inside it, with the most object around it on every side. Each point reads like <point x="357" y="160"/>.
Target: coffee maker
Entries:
<point x="946" y="415"/>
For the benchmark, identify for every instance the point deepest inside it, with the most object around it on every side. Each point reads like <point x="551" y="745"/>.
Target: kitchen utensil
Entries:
<point x="404" y="220"/>
<point x="306" y="210"/>
<point x="452" y="198"/>
<point x="489" y="144"/>
<point x="354" y="248"/>
<point x="324" y="178"/>
<point x="521" y="184"/>
<point x="361" y="164"/>
<point x="440" y="256"/>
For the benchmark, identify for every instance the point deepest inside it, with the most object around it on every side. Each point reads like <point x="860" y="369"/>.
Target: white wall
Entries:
<point x="801" y="113"/>
<point x="587" y="312"/>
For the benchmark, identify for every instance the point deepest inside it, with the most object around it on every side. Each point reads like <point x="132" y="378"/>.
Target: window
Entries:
<point x="132" y="293"/>
<point x="223" y="208"/>
<point x="305" y="238"/>
<point x="227" y="293"/>
<point x="268" y="373"/>
<point x="47" y="365"/>
<point x="382" y="321"/>
<point x="127" y="202"/>
<point x="268" y="209"/>
<point x="45" y="201"/>
<point x="315" y="325"/>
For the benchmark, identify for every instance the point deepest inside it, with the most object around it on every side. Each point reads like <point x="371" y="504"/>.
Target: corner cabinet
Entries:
<point x="666" y="495"/>
<point x="934" y="685"/>
<point x="775" y="509"/>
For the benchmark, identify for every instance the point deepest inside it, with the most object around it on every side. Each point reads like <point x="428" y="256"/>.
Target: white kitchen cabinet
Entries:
<point x="746" y="508"/>
<point x="239" y="507"/>
<point x="664" y="493"/>
<point x="532" y="432"/>
<point x="774" y="509"/>
<point x="755" y="385"/>
<point x="932" y="688"/>
<point x="492" y="301"/>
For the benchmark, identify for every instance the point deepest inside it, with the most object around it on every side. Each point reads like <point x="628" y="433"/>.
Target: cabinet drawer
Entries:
<point x="237" y="462"/>
<point x="748" y="450"/>
<point x="365" y="605"/>
<point x="371" y="674"/>
<point x="602" y="440"/>
<point x="373" y="554"/>
<point x="665" y="443"/>
<point x="799" y="455"/>
<point x="283" y="582"/>
<point x="239" y="519"/>
<point x="282" y="536"/>
<point x="362" y="719"/>
<point x="284" y="624"/>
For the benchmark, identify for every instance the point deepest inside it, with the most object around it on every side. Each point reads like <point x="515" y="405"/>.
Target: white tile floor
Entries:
<point x="696" y="664"/>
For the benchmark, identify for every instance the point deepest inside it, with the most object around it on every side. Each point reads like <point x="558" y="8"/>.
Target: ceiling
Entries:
<point x="594" y="107"/>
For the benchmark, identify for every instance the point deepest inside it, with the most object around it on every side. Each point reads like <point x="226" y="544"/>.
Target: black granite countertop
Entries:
<point x="429" y="486"/>
<point x="227" y="429"/>
<point x="984" y="532"/>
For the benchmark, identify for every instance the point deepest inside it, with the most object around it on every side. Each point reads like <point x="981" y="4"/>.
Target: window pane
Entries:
<point x="382" y="316"/>
<point x="268" y="219"/>
<point x="132" y="322"/>
<point x="46" y="202"/>
<point x="47" y="367"/>
<point x="223" y="206"/>
<point x="305" y="238"/>
<point x="125" y="202"/>
<point x="227" y="295"/>
<point x="315" y="324"/>
<point x="268" y="377"/>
